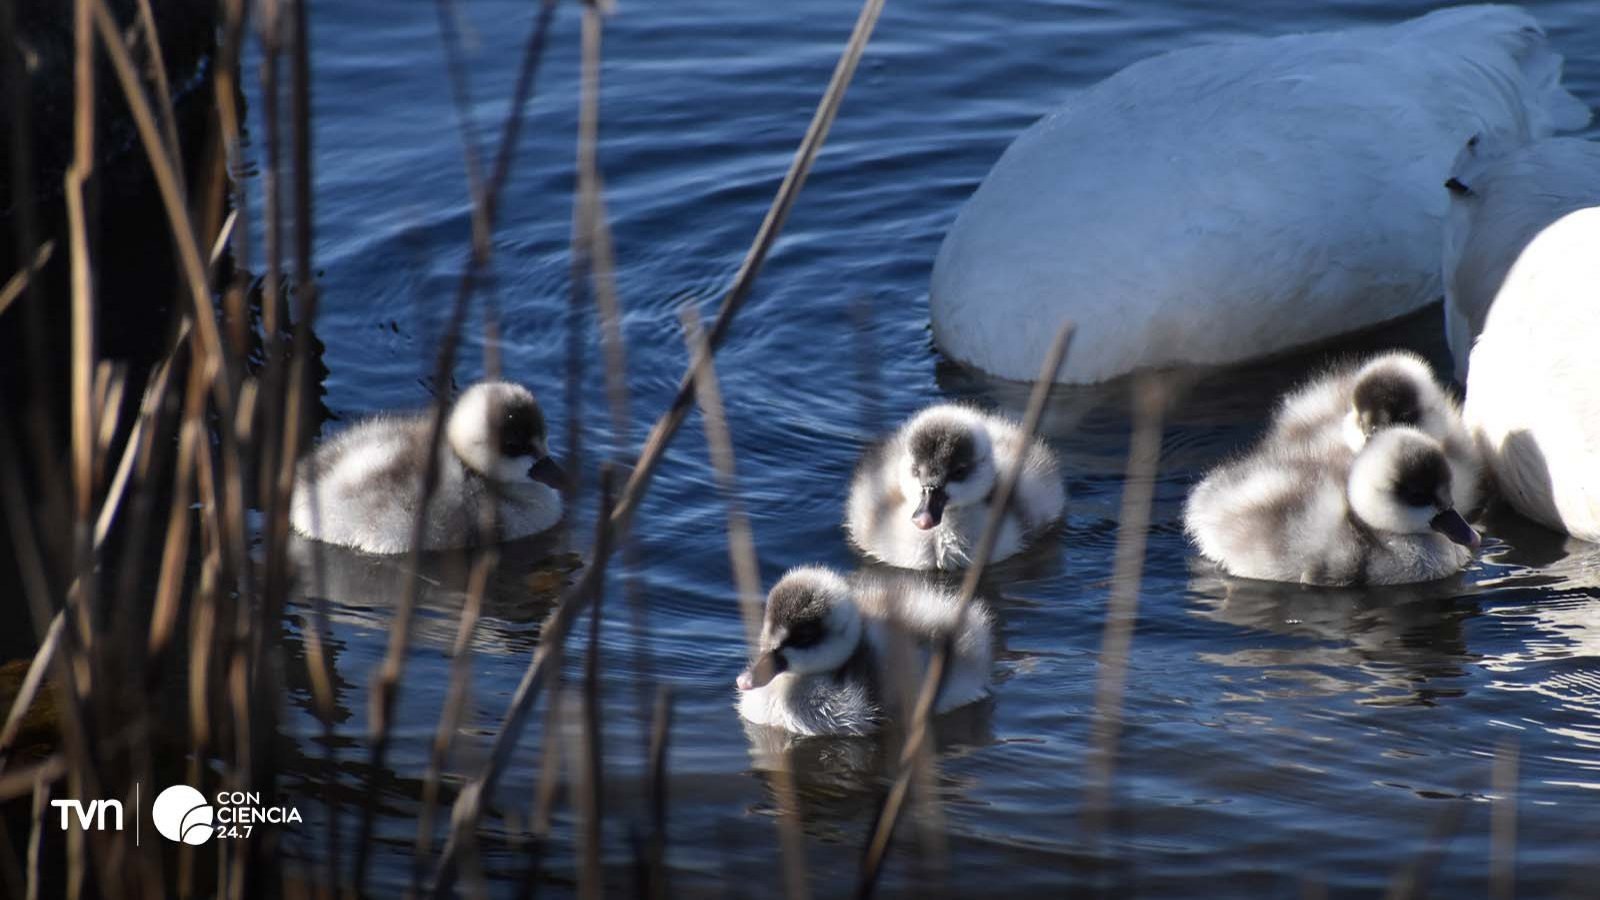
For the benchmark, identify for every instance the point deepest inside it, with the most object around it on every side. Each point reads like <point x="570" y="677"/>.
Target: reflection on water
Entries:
<point x="1408" y="639"/>
<point x="361" y="589"/>
<point x="843" y="779"/>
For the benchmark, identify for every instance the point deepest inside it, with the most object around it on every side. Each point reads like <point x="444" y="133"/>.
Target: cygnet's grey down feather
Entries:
<point x="919" y="498"/>
<point x="1384" y="515"/>
<point x="1346" y="405"/>
<point x="362" y="487"/>
<point x="837" y="654"/>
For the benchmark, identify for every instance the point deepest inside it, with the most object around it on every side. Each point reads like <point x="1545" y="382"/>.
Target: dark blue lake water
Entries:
<point x="1275" y="737"/>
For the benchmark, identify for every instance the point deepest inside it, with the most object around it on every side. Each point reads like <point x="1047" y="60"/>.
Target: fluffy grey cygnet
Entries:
<point x="361" y="488"/>
<point x="1342" y="409"/>
<point x="831" y="648"/>
<point x="919" y="498"/>
<point x="1387" y="516"/>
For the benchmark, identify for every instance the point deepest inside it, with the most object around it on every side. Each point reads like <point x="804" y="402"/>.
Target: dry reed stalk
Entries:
<point x="158" y="81"/>
<point x="78" y="174"/>
<point x="1122" y="607"/>
<point x="538" y="673"/>
<point x="110" y="384"/>
<point x="83" y="597"/>
<point x="922" y="715"/>
<point x="385" y="686"/>
<point x="1503" y="822"/>
<point x="719" y="442"/>
<point x="746" y="578"/>
<point x="31" y="681"/>
<point x="22" y="781"/>
<point x="1413" y="878"/>
<point x="82" y="602"/>
<point x="225" y="88"/>
<point x="41" y="795"/>
<point x="175" y="549"/>
<point x="546" y="792"/>
<point x="450" y="717"/>
<point x="269" y="29"/>
<point x="136" y="452"/>
<point x="654" y="884"/>
<point x="592" y="232"/>
<point x="19" y="283"/>
<point x="593" y="258"/>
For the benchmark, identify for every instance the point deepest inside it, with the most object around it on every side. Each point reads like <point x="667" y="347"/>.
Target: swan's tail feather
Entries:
<point x="1486" y="32"/>
<point x="1541" y="71"/>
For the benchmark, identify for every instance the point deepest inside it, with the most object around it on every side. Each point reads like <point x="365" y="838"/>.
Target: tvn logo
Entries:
<point x="94" y="816"/>
<point x="181" y="814"/>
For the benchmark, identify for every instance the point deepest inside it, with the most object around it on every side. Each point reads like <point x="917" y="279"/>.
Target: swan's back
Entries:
<point x="1229" y="201"/>
<point x="1511" y="199"/>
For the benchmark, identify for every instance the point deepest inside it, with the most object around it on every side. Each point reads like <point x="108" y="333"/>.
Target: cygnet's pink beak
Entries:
<point x="931" y="510"/>
<point x="745" y="682"/>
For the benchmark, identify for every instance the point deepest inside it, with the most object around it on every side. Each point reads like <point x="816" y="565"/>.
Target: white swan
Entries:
<point x="920" y="497"/>
<point x="360" y="489"/>
<point x="1343" y="408"/>
<point x="1533" y="385"/>
<point x="1500" y="199"/>
<point x="1225" y="202"/>
<point x="836" y="654"/>
<point x="1385" y="517"/>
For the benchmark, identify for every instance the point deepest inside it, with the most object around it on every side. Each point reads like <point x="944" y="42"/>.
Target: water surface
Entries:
<point x="1274" y="736"/>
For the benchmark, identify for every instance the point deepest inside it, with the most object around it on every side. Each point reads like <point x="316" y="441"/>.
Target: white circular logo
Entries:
<point x="182" y="814"/>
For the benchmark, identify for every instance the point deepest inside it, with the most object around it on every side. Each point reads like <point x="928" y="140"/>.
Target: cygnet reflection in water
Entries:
<point x="1409" y="640"/>
<point x="362" y="589"/>
<point x="840" y="779"/>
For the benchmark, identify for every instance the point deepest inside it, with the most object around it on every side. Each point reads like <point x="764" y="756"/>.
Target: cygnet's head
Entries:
<point x="948" y="462"/>
<point x="1400" y="483"/>
<point x="811" y="626"/>
<point x="1395" y="389"/>
<point x="498" y="431"/>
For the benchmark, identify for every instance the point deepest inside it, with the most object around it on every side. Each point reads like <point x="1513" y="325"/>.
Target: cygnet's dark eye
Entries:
<point x="1410" y="495"/>
<point x="960" y="473"/>
<point x="804" y="635"/>
<point x="517" y="433"/>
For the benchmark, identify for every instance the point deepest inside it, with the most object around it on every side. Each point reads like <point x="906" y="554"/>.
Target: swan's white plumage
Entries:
<point x="900" y="619"/>
<point x="1224" y="202"/>
<point x="1510" y="195"/>
<point x="360" y="488"/>
<point x="878" y="513"/>
<point x="1533" y="387"/>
